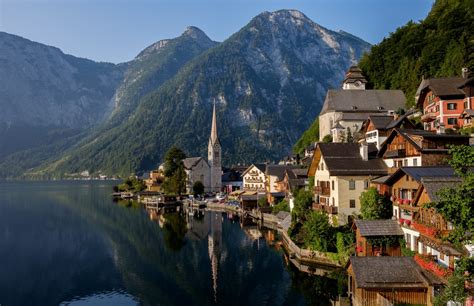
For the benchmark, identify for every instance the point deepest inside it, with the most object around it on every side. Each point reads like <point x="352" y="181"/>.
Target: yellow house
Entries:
<point x="342" y="171"/>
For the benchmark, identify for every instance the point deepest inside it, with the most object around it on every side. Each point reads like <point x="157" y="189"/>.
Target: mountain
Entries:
<point x="143" y="75"/>
<point x="46" y="95"/>
<point x="438" y="46"/>
<point x="268" y="81"/>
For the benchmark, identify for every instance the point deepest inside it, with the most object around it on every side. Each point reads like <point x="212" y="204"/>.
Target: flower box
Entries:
<point x="428" y="264"/>
<point x="426" y="230"/>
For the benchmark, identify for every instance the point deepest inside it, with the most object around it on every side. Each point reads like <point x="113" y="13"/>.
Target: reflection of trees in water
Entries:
<point x="174" y="231"/>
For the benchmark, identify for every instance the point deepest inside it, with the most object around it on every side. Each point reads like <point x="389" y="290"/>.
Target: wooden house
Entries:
<point x="375" y="281"/>
<point x="409" y="147"/>
<point x="378" y="237"/>
<point x="377" y="127"/>
<point x="431" y="225"/>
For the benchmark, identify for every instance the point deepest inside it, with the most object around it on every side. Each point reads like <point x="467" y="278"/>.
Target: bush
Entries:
<point x="317" y="231"/>
<point x="281" y="206"/>
<point x="374" y="206"/>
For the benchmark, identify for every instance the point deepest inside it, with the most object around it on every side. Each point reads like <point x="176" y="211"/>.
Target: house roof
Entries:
<point x="354" y="74"/>
<point x="369" y="228"/>
<point x="443" y="87"/>
<point x="363" y="100"/>
<point x="433" y="185"/>
<point x="467" y="113"/>
<point x="417" y="173"/>
<point x="390" y="272"/>
<point x="278" y="170"/>
<point x="380" y="121"/>
<point x="191" y="162"/>
<point x="296" y="183"/>
<point x="261" y="167"/>
<point x="345" y="159"/>
<point x="380" y="180"/>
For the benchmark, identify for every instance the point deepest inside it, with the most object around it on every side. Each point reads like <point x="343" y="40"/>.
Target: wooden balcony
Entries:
<point x="395" y="153"/>
<point x="326" y="208"/>
<point x="428" y="117"/>
<point x="324" y="191"/>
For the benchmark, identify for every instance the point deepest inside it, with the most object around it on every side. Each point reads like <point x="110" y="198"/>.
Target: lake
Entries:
<point x="68" y="243"/>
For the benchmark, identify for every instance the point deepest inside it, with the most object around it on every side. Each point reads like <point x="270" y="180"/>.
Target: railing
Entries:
<point x="428" y="117"/>
<point x="396" y="153"/>
<point x="322" y="190"/>
<point x="326" y="208"/>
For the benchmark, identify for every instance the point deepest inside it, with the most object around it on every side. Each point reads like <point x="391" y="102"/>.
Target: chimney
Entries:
<point x="364" y="150"/>
<point x="465" y="72"/>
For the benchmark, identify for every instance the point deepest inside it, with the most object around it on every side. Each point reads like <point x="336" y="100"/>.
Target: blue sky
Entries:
<point x="117" y="30"/>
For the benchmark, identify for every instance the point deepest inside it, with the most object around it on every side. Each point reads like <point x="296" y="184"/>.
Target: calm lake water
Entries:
<point x="68" y="243"/>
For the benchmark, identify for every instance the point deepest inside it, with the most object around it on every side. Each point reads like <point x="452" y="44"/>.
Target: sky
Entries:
<point x="117" y="30"/>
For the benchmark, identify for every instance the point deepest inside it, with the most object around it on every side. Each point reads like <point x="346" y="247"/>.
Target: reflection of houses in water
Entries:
<point x="215" y="246"/>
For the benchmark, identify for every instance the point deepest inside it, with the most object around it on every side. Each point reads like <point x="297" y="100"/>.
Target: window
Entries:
<point x="332" y="185"/>
<point x="352" y="185"/>
<point x="408" y="240"/>
<point x="405" y="162"/>
<point x="415" y="162"/>
<point x="452" y="106"/>
<point x="452" y="121"/>
<point x="366" y="184"/>
<point x="352" y="203"/>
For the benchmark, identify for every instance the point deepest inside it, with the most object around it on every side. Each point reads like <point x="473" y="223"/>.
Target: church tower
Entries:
<point x="214" y="155"/>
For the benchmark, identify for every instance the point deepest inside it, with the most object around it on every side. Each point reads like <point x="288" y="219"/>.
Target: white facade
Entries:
<point x="254" y="179"/>
<point x="198" y="172"/>
<point x="403" y="162"/>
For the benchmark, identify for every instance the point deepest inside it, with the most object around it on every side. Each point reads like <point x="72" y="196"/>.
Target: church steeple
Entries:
<point x="214" y="155"/>
<point x="214" y="137"/>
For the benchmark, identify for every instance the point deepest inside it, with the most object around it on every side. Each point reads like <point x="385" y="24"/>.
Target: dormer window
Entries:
<point x="354" y="107"/>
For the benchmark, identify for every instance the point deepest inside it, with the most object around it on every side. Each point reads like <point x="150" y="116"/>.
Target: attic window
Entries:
<point x="380" y="107"/>
<point x="354" y="107"/>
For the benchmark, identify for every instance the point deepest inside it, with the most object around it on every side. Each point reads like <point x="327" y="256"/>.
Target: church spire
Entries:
<point x="214" y="125"/>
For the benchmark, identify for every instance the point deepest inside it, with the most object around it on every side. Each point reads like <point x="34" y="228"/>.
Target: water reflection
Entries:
<point x="68" y="242"/>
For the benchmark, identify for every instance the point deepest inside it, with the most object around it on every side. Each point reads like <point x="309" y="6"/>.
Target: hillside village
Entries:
<point x="369" y="146"/>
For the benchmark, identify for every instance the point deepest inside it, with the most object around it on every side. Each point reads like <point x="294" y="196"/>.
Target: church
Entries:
<point x="209" y="172"/>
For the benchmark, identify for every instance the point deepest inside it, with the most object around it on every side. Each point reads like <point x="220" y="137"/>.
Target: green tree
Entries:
<point x="310" y="136"/>
<point x="455" y="289"/>
<point x="317" y="231"/>
<point x="303" y="201"/>
<point x="173" y="159"/>
<point x="262" y="202"/>
<point x="327" y="138"/>
<point x="374" y="206"/>
<point x="455" y="203"/>
<point x="281" y="206"/>
<point x="349" y="137"/>
<point x="198" y="188"/>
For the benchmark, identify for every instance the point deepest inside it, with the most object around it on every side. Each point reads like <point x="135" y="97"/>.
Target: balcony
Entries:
<point x="325" y="191"/>
<point x="395" y="153"/>
<point x="326" y="208"/>
<point x="428" y="117"/>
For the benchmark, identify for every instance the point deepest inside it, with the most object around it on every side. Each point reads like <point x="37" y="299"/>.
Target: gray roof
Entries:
<point x="417" y="173"/>
<point x="190" y="162"/>
<point x="363" y="100"/>
<point x="444" y="87"/>
<point x="344" y="159"/>
<point x="380" y="121"/>
<point x="370" y="228"/>
<point x="278" y="170"/>
<point x="381" y="179"/>
<point x="433" y="185"/>
<point x="390" y="272"/>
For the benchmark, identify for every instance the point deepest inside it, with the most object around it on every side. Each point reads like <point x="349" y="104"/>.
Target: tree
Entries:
<point x="281" y="206"/>
<point x="198" y="188"/>
<point x="374" y="206"/>
<point x="349" y="137"/>
<point x="262" y="202"/>
<point x="455" y="203"/>
<point x="173" y="158"/>
<point x="303" y="201"/>
<point x="317" y="231"/>
<point x="175" y="176"/>
<point x="455" y="289"/>
<point x="327" y="138"/>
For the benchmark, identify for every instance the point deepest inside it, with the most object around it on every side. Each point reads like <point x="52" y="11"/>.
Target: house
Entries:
<point x="154" y="181"/>
<point x="431" y="225"/>
<point x="232" y="179"/>
<point x="378" y="237"/>
<point x="388" y="280"/>
<point x="409" y="147"/>
<point x="442" y="101"/>
<point x="293" y="180"/>
<point x="348" y="108"/>
<point x="273" y="175"/>
<point x="342" y="171"/>
<point x="467" y="115"/>
<point x="377" y="127"/>
<point x="254" y="178"/>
